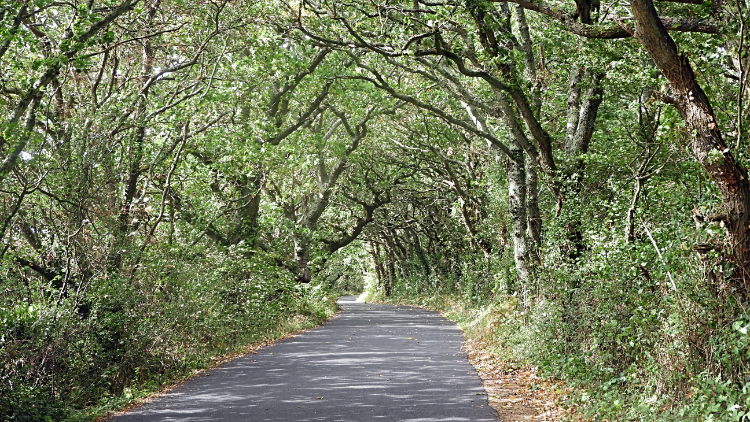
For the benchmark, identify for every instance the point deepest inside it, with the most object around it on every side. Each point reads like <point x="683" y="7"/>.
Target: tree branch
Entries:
<point x="615" y="31"/>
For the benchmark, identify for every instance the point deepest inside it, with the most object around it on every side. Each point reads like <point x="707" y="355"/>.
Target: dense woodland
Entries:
<point x="180" y="178"/>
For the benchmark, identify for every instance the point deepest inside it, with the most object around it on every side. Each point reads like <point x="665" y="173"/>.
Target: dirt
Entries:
<point x="519" y="394"/>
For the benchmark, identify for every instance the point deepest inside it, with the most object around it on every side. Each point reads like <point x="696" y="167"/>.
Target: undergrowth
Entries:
<point x="627" y="351"/>
<point x="71" y="360"/>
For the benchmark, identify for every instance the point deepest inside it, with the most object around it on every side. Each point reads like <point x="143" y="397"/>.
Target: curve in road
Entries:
<point x="370" y="363"/>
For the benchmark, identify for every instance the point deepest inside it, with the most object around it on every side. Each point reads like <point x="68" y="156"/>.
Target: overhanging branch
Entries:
<point x="614" y="31"/>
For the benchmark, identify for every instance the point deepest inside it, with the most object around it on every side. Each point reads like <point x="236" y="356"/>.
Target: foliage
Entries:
<point x="138" y="337"/>
<point x="181" y="179"/>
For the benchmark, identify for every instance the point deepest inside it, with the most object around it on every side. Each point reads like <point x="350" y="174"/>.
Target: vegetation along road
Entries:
<point x="567" y="180"/>
<point x="372" y="362"/>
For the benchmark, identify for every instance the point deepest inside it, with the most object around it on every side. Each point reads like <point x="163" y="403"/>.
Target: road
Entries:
<point x="369" y="363"/>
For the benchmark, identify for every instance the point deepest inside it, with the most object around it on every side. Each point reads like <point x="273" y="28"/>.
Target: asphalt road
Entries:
<point x="370" y="363"/>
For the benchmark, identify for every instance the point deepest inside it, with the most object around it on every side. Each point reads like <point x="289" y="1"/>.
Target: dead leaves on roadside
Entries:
<point x="518" y="394"/>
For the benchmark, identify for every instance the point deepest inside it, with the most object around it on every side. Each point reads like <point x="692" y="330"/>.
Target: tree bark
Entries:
<point x="246" y="216"/>
<point x="592" y="99"/>
<point x="517" y="208"/>
<point x="582" y="111"/>
<point x="377" y="262"/>
<point x="532" y="206"/>
<point x="574" y="106"/>
<point x="390" y="280"/>
<point x="302" y="258"/>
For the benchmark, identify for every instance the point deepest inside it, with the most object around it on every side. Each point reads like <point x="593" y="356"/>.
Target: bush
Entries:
<point x="63" y="360"/>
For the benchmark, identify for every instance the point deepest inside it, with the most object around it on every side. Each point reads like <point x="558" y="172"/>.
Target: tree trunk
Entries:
<point x="517" y="207"/>
<point x="532" y="205"/>
<point x="592" y="99"/>
<point x="574" y="105"/>
<point x="377" y="262"/>
<point x="390" y="281"/>
<point x="137" y="152"/>
<point x="582" y="112"/>
<point x="706" y="140"/>
<point x="426" y="268"/>
<point x="583" y="107"/>
<point x="246" y="216"/>
<point x="302" y="258"/>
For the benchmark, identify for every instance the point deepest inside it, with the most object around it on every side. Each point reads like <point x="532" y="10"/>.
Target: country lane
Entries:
<point x="369" y="363"/>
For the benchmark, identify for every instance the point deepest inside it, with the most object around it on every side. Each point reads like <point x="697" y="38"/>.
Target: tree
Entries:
<point x="303" y="203"/>
<point x="651" y="29"/>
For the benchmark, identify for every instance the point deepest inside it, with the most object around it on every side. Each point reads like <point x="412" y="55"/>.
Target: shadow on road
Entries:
<point x="371" y="362"/>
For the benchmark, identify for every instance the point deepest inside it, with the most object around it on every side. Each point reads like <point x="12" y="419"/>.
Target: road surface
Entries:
<point x="369" y="363"/>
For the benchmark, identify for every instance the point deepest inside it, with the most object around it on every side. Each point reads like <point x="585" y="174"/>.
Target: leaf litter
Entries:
<point x="519" y="394"/>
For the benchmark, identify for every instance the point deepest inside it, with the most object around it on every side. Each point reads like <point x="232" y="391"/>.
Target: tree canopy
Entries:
<point x="178" y="173"/>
